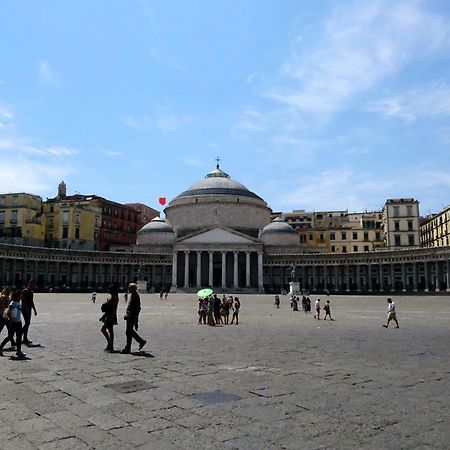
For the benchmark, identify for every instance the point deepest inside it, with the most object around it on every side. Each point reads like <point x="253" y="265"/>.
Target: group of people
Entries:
<point x="15" y="305"/>
<point x="214" y="311"/>
<point x="109" y="318"/>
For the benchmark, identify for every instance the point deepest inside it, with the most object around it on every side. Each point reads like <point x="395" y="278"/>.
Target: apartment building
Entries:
<point x="21" y="219"/>
<point x="435" y="229"/>
<point x="401" y="223"/>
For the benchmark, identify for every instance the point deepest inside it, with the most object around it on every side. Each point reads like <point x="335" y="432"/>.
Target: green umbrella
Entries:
<point x="203" y="293"/>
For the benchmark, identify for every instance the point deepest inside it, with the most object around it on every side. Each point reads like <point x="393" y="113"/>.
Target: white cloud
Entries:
<point x="192" y="162"/>
<point x="430" y="100"/>
<point x="5" y="113"/>
<point x="164" y="122"/>
<point x="22" y="175"/>
<point x="358" y="46"/>
<point x="113" y="153"/>
<point x="21" y="145"/>
<point x="48" y="75"/>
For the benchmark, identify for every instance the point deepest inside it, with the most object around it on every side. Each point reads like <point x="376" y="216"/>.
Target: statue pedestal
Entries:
<point x="141" y="286"/>
<point x="294" y="288"/>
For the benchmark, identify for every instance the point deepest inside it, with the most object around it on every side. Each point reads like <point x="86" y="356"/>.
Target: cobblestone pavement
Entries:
<point x="278" y="380"/>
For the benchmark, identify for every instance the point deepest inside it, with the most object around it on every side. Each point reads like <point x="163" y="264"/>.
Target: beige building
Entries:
<point x="401" y="220"/>
<point x="435" y="230"/>
<point x="21" y="219"/>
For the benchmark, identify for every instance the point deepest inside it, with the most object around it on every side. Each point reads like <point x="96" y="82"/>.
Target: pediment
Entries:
<point x="218" y="236"/>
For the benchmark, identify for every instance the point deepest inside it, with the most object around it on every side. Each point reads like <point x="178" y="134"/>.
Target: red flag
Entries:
<point x="162" y="200"/>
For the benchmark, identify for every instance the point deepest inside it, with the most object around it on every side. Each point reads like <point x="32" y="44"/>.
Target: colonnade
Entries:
<point x="237" y="269"/>
<point x="383" y="276"/>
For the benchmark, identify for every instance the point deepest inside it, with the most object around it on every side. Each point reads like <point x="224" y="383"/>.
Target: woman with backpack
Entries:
<point x="109" y="317"/>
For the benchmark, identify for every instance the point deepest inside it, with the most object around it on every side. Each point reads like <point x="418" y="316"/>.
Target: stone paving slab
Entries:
<point x="278" y="380"/>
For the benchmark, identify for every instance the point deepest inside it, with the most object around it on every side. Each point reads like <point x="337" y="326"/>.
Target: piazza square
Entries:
<point x="278" y="380"/>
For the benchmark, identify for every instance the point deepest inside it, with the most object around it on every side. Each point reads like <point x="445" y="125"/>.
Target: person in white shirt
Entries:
<point x="317" y="306"/>
<point x="391" y="313"/>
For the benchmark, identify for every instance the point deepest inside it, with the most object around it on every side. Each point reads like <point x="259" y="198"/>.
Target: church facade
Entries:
<point x="220" y="234"/>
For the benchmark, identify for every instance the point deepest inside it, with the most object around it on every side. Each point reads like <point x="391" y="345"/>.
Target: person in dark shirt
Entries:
<point x="109" y="317"/>
<point x="27" y="307"/>
<point x="132" y="318"/>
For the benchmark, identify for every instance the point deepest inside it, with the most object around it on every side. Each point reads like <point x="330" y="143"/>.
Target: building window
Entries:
<point x="77" y="233"/>
<point x="355" y="236"/>
<point x="411" y="239"/>
<point x="65" y="216"/>
<point x="14" y="217"/>
<point x="15" y="201"/>
<point x="332" y="236"/>
<point x="77" y="219"/>
<point x="321" y="237"/>
<point x="396" y="211"/>
<point x="65" y="233"/>
<point x="409" y="211"/>
<point x="310" y="237"/>
<point x="377" y="236"/>
<point x="2" y="201"/>
<point x="366" y="236"/>
<point x="397" y="239"/>
<point x="355" y="248"/>
<point x="366" y="248"/>
<point x="344" y="249"/>
<point x="397" y="225"/>
<point x="344" y="236"/>
<point x="2" y="216"/>
<point x="410" y="225"/>
<point x="333" y="248"/>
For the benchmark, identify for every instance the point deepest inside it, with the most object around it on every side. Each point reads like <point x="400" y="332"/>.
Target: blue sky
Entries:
<point x="312" y="105"/>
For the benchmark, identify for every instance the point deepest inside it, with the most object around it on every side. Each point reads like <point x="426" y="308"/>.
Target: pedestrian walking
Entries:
<point x="327" y="310"/>
<point x="317" y="309"/>
<point x="27" y="303"/>
<point x="132" y="319"/>
<point x="277" y="301"/>
<point x="109" y="318"/>
<point x="94" y="296"/>
<point x="5" y="299"/>
<point x="14" y="313"/>
<point x="392" y="315"/>
<point x="236" y="308"/>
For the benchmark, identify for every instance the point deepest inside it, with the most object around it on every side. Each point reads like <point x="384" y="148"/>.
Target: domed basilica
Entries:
<point x="216" y="231"/>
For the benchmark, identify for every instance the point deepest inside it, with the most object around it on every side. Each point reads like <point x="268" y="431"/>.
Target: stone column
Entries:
<point x="415" y="276"/>
<point x="392" y="278"/>
<point x="448" y="275"/>
<point x="247" y="269"/>
<point x="314" y="277"/>
<point x="336" y="278"/>
<point x="381" y="276"/>
<point x="369" y="275"/>
<point x="224" y="270"/>
<point x="199" y="269"/>
<point x="436" y="271"/>
<point x="235" y="270"/>
<point x="186" y="269"/>
<point x="210" y="268"/>
<point x="427" y="281"/>
<point x="260" y="273"/>
<point x="403" y="277"/>
<point x="347" y="278"/>
<point x="325" y="283"/>
<point x="358" y="278"/>
<point x="174" y="269"/>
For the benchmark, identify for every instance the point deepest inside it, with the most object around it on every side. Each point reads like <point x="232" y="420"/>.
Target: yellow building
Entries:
<point x="72" y="223"/>
<point x="435" y="230"/>
<point x="21" y="219"/>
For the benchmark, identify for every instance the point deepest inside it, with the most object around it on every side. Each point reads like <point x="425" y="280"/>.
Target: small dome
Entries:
<point x="277" y="226"/>
<point x="156" y="225"/>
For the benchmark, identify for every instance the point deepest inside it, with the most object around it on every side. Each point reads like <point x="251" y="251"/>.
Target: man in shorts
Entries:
<point x="391" y="313"/>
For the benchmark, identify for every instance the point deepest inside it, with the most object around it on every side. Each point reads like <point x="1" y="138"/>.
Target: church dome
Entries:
<point x="217" y="182"/>
<point x="218" y="201"/>
<point x="277" y="226"/>
<point x="156" y="225"/>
